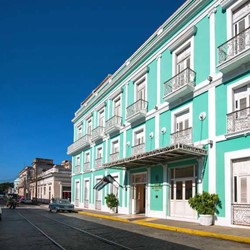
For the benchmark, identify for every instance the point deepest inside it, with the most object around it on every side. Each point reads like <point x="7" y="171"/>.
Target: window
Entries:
<point x="44" y="191"/>
<point x="87" y="157"/>
<point x="89" y="127"/>
<point x="182" y="121"/>
<point x="99" y="153"/>
<point x="86" y="190"/>
<point x="141" y="89"/>
<point x="78" y="160"/>
<point x="183" y="59"/>
<point x="79" y="131"/>
<point x="117" y="106"/>
<point x="242" y="98"/>
<point x="101" y="118"/>
<point x="139" y="137"/>
<point x="115" y="146"/>
<point x="114" y="187"/>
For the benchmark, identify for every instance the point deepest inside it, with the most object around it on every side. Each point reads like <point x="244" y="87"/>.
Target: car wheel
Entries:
<point x="69" y="211"/>
<point x="50" y="210"/>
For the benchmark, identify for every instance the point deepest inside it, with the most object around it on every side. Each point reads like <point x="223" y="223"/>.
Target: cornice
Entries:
<point x="226" y="3"/>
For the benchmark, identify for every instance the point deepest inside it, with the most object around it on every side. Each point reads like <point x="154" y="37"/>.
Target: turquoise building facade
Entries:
<point x="173" y="120"/>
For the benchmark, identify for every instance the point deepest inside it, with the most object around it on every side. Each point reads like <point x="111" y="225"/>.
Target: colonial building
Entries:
<point x="45" y="180"/>
<point x="173" y="120"/>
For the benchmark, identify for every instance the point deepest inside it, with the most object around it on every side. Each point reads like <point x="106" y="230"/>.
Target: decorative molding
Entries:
<point x="183" y="37"/>
<point x="226" y="3"/>
<point x="116" y="93"/>
<point x="211" y="12"/>
<point x="140" y="74"/>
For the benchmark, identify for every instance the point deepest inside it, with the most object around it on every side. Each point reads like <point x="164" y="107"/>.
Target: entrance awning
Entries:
<point x="167" y="154"/>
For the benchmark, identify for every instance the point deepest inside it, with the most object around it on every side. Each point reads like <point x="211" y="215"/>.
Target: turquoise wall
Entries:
<point x="152" y="85"/>
<point x="165" y="121"/>
<point x="202" y="51"/>
<point x="150" y="142"/>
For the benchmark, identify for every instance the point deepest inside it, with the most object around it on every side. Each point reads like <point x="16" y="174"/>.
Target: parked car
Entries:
<point x="61" y="205"/>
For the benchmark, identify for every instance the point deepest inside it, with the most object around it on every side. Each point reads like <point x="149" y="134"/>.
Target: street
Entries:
<point x="34" y="227"/>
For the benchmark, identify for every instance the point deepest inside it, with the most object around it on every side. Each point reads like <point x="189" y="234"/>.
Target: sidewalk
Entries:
<point x="241" y="235"/>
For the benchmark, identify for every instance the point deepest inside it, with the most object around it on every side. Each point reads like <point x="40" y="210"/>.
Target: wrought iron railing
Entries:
<point x="234" y="46"/>
<point x="97" y="132"/>
<point x="241" y="214"/>
<point x="183" y="136"/>
<point x="86" y="166"/>
<point x="81" y="142"/>
<point x="185" y="77"/>
<point x="138" y="106"/>
<point x="114" y="156"/>
<point x="238" y="120"/>
<point x="138" y="149"/>
<point x="98" y="162"/>
<point x="114" y="121"/>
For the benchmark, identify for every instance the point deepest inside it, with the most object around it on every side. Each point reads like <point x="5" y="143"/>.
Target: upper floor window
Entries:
<point x="139" y="137"/>
<point x="79" y="131"/>
<point x="117" y="106"/>
<point x="87" y="157"/>
<point x="115" y="146"/>
<point x="78" y="160"/>
<point x="141" y="89"/>
<point x="182" y="121"/>
<point x="183" y="59"/>
<point x="99" y="153"/>
<point x="89" y="127"/>
<point x="241" y="18"/>
<point x="101" y="118"/>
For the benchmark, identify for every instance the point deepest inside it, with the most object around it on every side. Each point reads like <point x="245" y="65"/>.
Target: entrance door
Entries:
<point x="183" y="186"/>
<point x="241" y="192"/>
<point x="138" y="193"/>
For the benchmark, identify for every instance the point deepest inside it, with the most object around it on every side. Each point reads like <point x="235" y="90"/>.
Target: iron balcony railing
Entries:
<point x="184" y="78"/>
<point x="114" y="123"/>
<point x="97" y="133"/>
<point x="98" y="162"/>
<point x="114" y="157"/>
<point x="86" y="166"/>
<point x="138" y="107"/>
<point x="79" y="144"/>
<point x="241" y="214"/>
<point x="183" y="136"/>
<point x="138" y="149"/>
<point x="238" y="120"/>
<point x="234" y="46"/>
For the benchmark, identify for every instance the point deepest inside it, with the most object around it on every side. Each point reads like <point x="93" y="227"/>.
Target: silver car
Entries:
<point x="61" y="205"/>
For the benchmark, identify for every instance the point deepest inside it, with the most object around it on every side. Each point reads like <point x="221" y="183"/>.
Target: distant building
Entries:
<point x="173" y="120"/>
<point x="45" y="180"/>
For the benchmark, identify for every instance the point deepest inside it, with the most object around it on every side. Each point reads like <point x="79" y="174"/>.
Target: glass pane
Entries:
<point x="188" y="189"/>
<point x="172" y="190"/>
<point x="243" y="185"/>
<point x="179" y="190"/>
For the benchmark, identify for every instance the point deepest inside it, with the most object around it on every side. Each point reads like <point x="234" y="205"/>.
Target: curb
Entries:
<point x="239" y="239"/>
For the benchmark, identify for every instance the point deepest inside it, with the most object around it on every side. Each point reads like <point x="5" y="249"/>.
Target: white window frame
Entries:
<point x="176" y="52"/>
<point x="85" y="158"/>
<point x="78" y="160"/>
<point x="175" y="113"/>
<point x="137" y="82"/>
<point x="99" y="116"/>
<point x="97" y="151"/>
<point x="140" y="128"/>
<point x="89" y="121"/>
<point x="84" y="181"/>
<point x="117" y="139"/>
<point x="119" y="97"/>
<point x="115" y="184"/>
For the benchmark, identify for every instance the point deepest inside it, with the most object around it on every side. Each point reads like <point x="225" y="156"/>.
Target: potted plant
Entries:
<point x="112" y="202"/>
<point x="206" y="206"/>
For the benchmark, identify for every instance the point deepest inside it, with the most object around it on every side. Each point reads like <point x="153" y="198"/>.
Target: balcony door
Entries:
<point x="182" y="121"/>
<point x="117" y="107"/>
<point x="141" y="90"/>
<point x="241" y="22"/>
<point x="242" y="101"/>
<point x="101" y="118"/>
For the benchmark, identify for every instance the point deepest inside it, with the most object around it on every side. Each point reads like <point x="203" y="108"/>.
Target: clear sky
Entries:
<point x="53" y="53"/>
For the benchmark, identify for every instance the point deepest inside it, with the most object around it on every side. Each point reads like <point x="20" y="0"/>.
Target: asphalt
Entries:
<point x="237" y="234"/>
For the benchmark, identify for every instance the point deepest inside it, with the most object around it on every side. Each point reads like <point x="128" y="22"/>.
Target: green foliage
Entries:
<point x="111" y="201"/>
<point x="5" y="186"/>
<point x="205" y="203"/>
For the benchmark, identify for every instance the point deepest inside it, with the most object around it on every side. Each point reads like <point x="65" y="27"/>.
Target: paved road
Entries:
<point x="27" y="228"/>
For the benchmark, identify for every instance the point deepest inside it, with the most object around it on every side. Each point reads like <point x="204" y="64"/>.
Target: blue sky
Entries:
<point x="53" y="53"/>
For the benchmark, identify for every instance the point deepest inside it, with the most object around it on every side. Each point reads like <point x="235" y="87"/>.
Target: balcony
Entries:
<point x="179" y="85"/>
<point x="97" y="133"/>
<point x="77" y="169"/>
<point x="234" y="52"/>
<point x="238" y="121"/>
<point x="98" y="162"/>
<point x="113" y="124"/>
<point x="114" y="156"/>
<point x="183" y="136"/>
<point x="78" y="145"/>
<point x="138" y="149"/>
<point x="137" y="110"/>
<point x="86" y="166"/>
